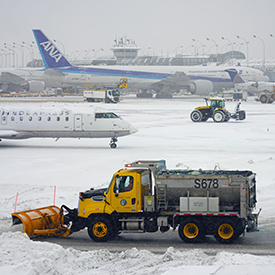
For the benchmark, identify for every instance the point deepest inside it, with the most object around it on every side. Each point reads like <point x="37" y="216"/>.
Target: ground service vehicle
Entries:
<point x="266" y="96"/>
<point x="108" y="95"/>
<point x="147" y="197"/>
<point x="104" y="95"/>
<point x="217" y="111"/>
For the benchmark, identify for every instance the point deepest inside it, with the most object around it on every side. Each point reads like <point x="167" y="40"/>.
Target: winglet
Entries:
<point x="235" y="76"/>
<point x="51" y="55"/>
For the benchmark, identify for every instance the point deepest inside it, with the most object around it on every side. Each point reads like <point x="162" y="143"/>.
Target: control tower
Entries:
<point x="125" y="50"/>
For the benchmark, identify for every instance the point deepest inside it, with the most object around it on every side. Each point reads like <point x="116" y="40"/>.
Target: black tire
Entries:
<point x="219" y="116"/>
<point x="113" y="145"/>
<point x="263" y="98"/>
<point x="227" y="231"/>
<point x="196" y="116"/>
<point x="99" y="229"/>
<point x="191" y="231"/>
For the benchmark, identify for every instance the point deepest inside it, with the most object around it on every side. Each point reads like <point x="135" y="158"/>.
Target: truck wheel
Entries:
<point x="219" y="116"/>
<point x="263" y="98"/>
<point x="191" y="231"/>
<point x="226" y="231"/>
<point x="196" y="116"/>
<point x="99" y="229"/>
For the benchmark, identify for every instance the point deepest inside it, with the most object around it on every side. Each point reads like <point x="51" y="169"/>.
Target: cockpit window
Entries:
<point x="112" y="115"/>
<point x="101" y="115"/>
<point x="106" y="115"/>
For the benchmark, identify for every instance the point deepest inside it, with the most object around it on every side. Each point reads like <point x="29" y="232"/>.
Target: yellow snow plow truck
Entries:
<point x="216" y="110"/>
<point x="145" y="196"/>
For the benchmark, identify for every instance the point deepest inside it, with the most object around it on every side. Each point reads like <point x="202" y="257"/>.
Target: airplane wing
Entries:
<point x="8" y="134"/>
<point x="7" y="77"/>
<point x="176" y="79"/>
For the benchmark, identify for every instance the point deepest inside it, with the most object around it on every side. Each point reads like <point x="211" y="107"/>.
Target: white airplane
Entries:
<point x="199" y="80"/>
<point x="62" y="122"/>
<point x="265" y="90"/>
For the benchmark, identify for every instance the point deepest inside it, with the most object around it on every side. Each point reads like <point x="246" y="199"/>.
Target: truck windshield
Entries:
<point x="115" y="93"/>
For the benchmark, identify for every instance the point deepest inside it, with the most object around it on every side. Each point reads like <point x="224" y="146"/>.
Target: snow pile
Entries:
<point x="20" y="255"/>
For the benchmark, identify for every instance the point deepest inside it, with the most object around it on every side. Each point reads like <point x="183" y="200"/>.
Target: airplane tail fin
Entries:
<point x="235" y="76"/>
<point x="51" y="55"/>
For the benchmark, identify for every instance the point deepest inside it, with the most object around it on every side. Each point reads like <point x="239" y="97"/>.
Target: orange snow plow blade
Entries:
<point x="47" y="221"/>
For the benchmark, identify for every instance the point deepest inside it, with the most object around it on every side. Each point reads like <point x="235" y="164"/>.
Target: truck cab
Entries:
<point x="124" y="195"/>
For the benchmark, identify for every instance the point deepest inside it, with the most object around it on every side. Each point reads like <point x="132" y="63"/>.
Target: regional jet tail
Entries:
<point x="58" y="122"/>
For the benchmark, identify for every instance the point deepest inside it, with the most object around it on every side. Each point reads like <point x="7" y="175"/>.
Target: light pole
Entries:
<point x="231" y="47"/>
<point x="216" y="48"/>
<point x="246" y="42"/>
<point x="4" y="54"/>
<point x="175" y="50"/>
<point x="192" y="46"/>
<point x="263" y="49"/>
<point x="11" y="48"/>
<point x="202" y="48"/>
<point x="21" y="50"/>
<point x="30" y="49"/>
<point x="98" y="51"/>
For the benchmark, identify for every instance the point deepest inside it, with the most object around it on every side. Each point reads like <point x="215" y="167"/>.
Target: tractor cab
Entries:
<point x="215" y="103"/>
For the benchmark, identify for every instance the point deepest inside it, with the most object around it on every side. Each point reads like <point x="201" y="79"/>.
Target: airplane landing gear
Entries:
<point x="113" y="142"/>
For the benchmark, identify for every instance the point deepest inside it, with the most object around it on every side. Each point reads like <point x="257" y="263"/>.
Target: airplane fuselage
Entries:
<point x="84" y="122"/>
<point x="143" y="77"/>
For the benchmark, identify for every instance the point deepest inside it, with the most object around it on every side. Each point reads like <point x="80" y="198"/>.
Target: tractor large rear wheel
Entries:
<point x="196" y="116"/>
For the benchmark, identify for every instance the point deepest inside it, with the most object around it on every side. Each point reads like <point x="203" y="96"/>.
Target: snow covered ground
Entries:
<point x="32" y="168"/>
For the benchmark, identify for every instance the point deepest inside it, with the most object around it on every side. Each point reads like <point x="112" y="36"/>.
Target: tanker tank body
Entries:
<point x="214" y="190"/>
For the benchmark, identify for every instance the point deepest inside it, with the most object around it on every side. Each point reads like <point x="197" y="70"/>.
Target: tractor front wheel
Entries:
<point x="219" y="116"/>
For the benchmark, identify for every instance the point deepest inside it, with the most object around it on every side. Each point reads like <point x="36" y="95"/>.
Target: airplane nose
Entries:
<point x="133" y="129"/>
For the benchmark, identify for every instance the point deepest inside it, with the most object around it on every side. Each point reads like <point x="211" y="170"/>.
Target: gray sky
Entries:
<point x="162" y="25"/>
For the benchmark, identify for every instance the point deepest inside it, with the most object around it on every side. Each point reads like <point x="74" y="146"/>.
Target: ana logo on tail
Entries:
<point x="53" y="52"/>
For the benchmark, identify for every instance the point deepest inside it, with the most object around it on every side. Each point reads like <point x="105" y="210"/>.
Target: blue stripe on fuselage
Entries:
<point x="132" y="74"/>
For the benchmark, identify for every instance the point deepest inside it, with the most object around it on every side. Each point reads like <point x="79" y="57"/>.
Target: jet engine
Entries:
<point x="35" y="86"/>
<point x="200" y="87"/>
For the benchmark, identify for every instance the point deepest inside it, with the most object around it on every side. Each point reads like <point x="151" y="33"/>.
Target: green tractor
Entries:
<point x="217" y="111"/>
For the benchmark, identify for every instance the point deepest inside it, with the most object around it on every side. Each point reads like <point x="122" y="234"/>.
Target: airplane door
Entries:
<point x="78" y="125"/>
<point x="124" y="195"/>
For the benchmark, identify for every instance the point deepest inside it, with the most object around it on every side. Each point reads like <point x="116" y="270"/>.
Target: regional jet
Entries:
<point x="62" y="122"/>
<point x="199" y="80"/>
